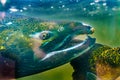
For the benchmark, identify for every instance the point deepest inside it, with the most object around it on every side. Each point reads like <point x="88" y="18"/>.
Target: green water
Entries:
<point x="60" y="73"/>
<point x="108" y="30"/>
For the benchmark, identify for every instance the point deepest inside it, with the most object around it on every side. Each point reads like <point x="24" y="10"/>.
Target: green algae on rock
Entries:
<point x="106" y="55"/>
<point x="95" y="56"/>
<point x="105" y="61"/>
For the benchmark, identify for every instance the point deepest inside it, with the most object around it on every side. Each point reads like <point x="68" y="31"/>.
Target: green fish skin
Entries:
<point x="91" y="76"/>
<point x="35" y="46"/>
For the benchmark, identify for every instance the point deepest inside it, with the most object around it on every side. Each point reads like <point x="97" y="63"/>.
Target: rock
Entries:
<point x="100" y="60"/>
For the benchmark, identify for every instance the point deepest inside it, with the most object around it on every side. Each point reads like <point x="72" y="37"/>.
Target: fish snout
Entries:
<point x="88" y="29"/>
<point x="92" y="30"/>
<point x="83" y="28"/>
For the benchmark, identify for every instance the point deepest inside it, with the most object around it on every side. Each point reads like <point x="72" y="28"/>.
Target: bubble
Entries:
<point x="63" y="6"/>
<point x="24" y="8"/>
<point x="104" y="4"/>
<point x="9" y="23"/>
<point x="92" y="3"/>
<point x="21" y="10"/>
<point x="51" y="7"/>
<point x="84" y="9"/>
<point x="13" y="9"/>
<point x="29" y="5"/>
<point x="96" y="1"/>
<point x="77" y="0"/>
<point x="60" y="1"/>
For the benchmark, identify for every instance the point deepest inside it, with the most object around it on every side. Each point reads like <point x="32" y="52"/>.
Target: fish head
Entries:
<point x="59" y="36"/>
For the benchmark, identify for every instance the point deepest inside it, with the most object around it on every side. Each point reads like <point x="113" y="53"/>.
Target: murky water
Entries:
<point x="103" y="15"/>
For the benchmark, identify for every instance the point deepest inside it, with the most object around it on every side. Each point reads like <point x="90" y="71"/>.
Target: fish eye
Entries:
<point x="44" y="35"/>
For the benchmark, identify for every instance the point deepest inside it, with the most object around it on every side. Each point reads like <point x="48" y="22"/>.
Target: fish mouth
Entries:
<point x="78" y="35"/>
<point x="76" y="40"/>
<point x="92" y="30"/>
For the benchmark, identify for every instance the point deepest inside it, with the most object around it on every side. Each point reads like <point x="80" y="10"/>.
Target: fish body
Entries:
<point x="35" y="46"/>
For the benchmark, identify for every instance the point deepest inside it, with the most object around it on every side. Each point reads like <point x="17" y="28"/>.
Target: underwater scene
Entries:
<point x="59" y="40"/>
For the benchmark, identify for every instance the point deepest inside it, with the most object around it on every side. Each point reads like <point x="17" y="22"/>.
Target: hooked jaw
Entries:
<point x="88" y="29"/>
<point x="92" y="30"/>
<point x="83" y="29"/>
